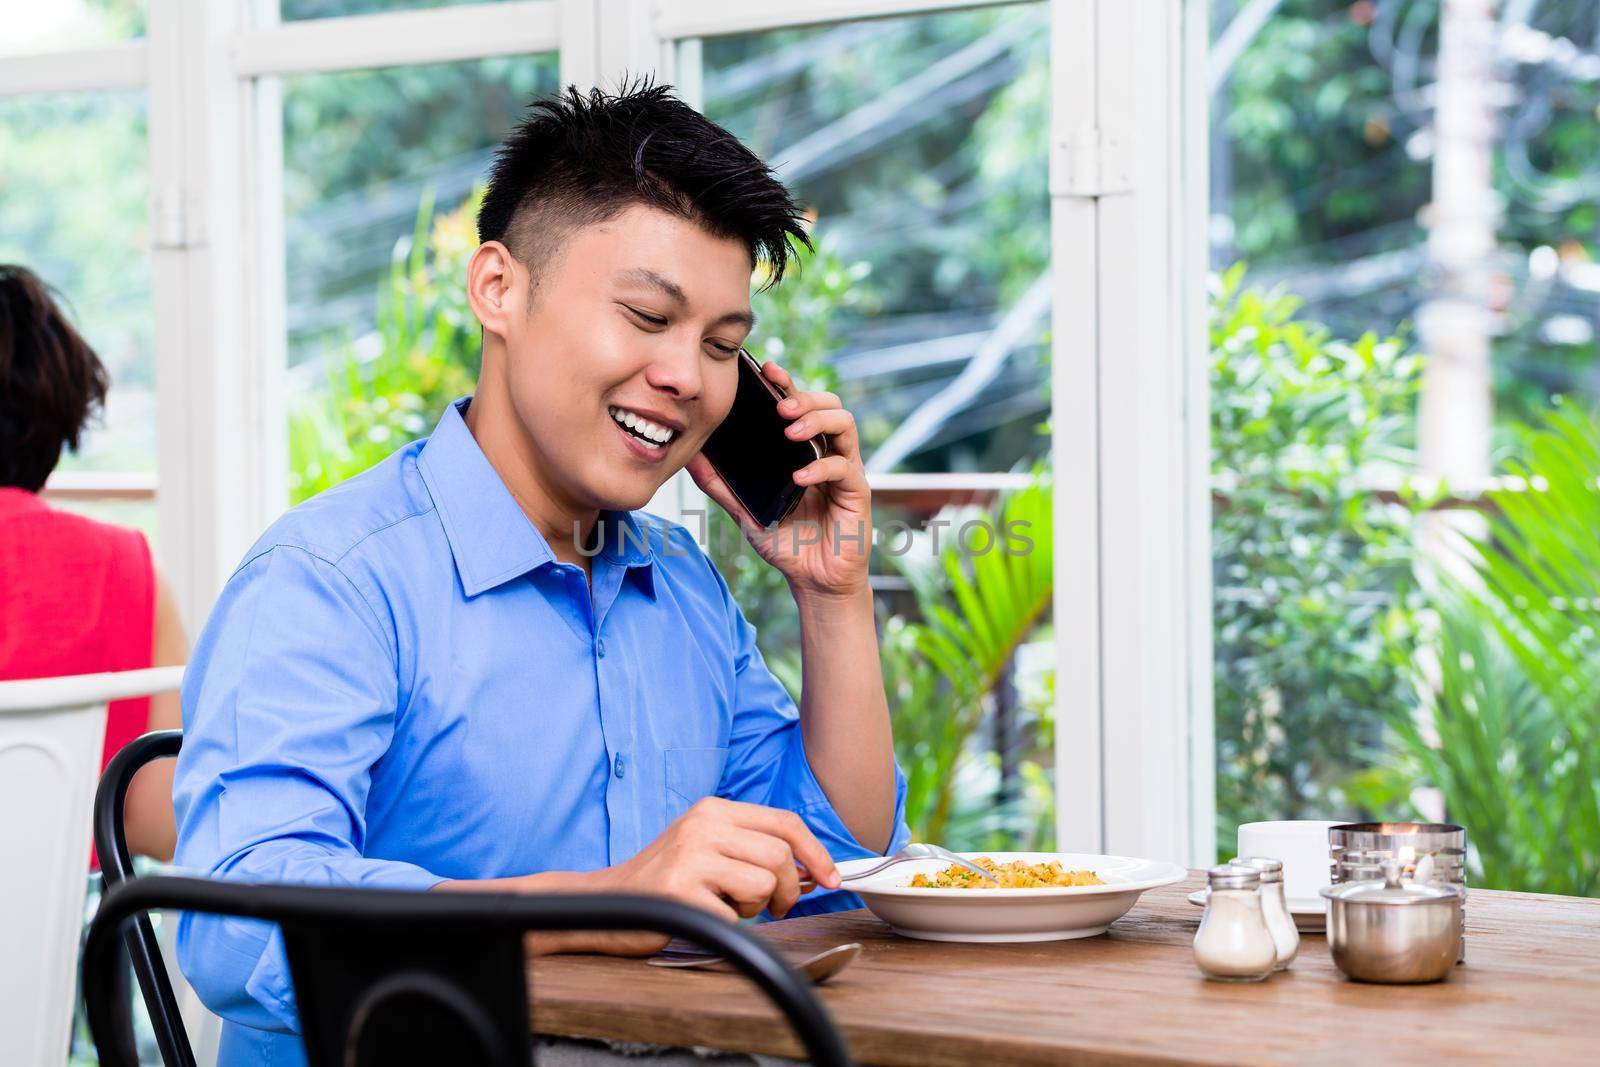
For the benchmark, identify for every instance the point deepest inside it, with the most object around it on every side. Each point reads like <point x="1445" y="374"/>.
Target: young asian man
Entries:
<point x="478" y="666"/>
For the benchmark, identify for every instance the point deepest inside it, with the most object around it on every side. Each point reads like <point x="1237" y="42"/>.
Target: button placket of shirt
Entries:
<point x="616" y="719"/>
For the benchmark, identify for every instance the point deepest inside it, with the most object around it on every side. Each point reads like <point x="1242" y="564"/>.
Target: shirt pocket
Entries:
<point x="692" y="774"/>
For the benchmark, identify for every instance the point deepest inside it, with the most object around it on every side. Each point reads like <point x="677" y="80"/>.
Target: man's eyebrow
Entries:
<point x="747" y="319"/>
<point x="675" y="293"/>
<point x="645" y="276"/>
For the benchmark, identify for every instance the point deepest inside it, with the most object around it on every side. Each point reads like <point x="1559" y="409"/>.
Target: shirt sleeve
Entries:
<point x="767" y="764"/>
<point x="288" y="701"/>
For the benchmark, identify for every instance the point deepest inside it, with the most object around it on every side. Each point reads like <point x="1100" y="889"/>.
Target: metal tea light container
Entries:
<point x="1358" y="850"/>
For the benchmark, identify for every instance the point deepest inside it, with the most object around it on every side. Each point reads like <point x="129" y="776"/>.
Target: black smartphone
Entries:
<point x="752" y="453"/>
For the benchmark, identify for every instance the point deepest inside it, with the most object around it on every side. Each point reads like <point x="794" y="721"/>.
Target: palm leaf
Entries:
<point x="987" y="605"/>
<point x="1514" y="709"/>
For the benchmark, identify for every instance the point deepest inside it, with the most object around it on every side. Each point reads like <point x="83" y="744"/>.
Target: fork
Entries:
<point x="911" y="852"/>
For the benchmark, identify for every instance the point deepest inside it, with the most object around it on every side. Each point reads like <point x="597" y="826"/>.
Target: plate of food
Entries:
<point x="1041" y="896"/>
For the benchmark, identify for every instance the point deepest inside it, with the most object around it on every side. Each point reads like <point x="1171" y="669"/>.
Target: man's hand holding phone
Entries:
<point x="822" y="547"/>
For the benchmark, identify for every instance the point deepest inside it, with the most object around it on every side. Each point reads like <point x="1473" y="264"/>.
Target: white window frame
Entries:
<point x="1134" y="749"/>
<point x="1132" y="592"/>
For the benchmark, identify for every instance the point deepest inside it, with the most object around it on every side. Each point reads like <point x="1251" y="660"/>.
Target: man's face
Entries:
<point x="628" y="357"/>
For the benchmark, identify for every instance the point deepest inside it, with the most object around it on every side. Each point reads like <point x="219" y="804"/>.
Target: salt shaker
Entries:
<point x="1275" y="909"/>
<point x="1233" y="943"/>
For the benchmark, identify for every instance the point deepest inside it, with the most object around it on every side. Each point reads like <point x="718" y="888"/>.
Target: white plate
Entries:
<point x="1052" y="914"/>
<point x="1310" y="916"/>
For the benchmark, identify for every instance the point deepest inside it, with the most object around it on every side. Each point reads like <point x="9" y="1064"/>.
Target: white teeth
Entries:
<point x="643" y="427"/>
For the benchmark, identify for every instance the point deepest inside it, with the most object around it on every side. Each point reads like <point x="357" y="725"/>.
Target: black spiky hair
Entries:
<point x="581" y="159"/>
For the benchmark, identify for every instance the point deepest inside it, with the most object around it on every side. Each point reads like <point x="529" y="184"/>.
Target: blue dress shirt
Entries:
<point x="401" y="685"/>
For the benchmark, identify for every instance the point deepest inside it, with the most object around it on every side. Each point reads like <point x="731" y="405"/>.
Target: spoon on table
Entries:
<point x="819" y="968"/>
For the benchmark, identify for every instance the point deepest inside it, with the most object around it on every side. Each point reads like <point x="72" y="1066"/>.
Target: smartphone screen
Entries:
<point x="752" y="453"/>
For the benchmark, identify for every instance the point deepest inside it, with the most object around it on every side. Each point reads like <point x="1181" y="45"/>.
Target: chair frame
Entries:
<point x="507" y="914"/>
<point x="116" y="867"/>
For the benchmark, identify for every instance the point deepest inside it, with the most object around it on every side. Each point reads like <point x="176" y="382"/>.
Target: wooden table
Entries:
<point x="1528" y="994"/>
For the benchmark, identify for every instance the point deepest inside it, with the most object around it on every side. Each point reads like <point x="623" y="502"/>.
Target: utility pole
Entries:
<point x="1456" y="412"/>
<point x="1456" y="322"/>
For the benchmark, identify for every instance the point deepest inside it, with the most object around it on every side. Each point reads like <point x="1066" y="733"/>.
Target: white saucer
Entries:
<point x="1310" y="915"/>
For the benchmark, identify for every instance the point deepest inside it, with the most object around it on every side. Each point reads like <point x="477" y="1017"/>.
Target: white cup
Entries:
<point x="1302" y="845"/>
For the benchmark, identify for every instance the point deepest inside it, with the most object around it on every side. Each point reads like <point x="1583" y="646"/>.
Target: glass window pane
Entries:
<point x="290" y="10"/>
<point x="919" y="144"/>
<point x="74" y="187"/>
<point x="1403" y="210"/>
<point x="62" y="24"/>
<point x="379" y="167"/>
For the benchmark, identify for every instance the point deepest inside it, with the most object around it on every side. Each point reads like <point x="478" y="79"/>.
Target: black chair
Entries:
<point x="116" y="867"/>
<point x="391" y="977"/>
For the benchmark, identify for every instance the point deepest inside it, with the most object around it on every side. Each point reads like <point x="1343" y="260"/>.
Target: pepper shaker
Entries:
<point x="1275" y="909"/>
<point x="1233" y="943"/>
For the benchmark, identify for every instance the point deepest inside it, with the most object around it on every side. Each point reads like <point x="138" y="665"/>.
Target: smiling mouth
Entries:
<point x="649" y="433"/>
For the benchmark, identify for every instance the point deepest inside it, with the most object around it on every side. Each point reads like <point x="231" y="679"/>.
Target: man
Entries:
<point x="474" y="668"/>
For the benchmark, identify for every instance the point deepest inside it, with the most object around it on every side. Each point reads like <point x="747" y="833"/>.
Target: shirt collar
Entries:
<point x="627" y="544"/>
<point x="490" y="536"/>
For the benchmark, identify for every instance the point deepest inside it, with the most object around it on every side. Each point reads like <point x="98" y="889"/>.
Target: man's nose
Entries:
<point x="676" y="370"/>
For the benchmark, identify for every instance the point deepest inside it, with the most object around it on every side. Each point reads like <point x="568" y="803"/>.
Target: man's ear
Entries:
<point x="495" y="282"/>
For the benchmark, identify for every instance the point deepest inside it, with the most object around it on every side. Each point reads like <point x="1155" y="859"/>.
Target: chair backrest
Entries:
<point x="116" y="864"/>
<point x="52" y="732"/>
<point x="382" y="974"/>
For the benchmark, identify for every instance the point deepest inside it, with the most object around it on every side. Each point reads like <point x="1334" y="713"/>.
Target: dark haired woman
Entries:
<point x="76" y="596"/>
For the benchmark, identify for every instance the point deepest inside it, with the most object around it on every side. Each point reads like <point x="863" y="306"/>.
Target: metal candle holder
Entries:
<point x="1357" y="851"/>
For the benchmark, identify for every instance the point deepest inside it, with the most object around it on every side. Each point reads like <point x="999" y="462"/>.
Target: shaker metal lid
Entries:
<point x="1391" y="890"/>
<point x="1230" y="876"/>
<point x="1271" y="869"/>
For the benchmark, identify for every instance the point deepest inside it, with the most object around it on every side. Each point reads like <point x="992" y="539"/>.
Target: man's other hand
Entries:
<point x="731" y="859"/>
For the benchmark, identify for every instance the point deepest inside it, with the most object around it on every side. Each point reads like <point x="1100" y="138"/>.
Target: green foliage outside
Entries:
<point x="1350" y="672"/>
<point x="1308" y="92"/>
<point x="1312" y="572"/>
<point x="943" y="192"/>
<point x="88" y="239"/>
<point x="1509" y="687"/>
<point x="360" y="148"/>
<point x="946" y="671"/>
<point x="1322" y="156"/>
<point x="426" y="356"/>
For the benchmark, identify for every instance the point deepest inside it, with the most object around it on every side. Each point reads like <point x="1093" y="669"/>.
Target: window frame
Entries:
<point x="1134" y="734"/>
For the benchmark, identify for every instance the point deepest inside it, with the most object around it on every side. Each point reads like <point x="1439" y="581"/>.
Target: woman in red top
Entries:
<point x="76" y="596"/>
